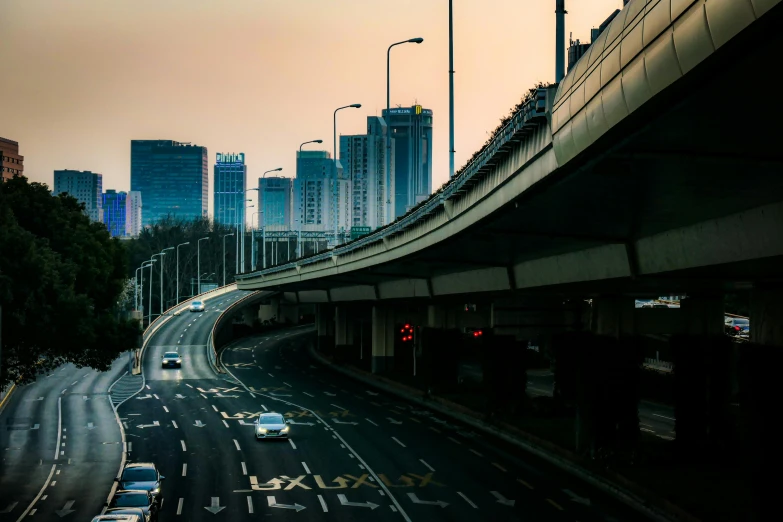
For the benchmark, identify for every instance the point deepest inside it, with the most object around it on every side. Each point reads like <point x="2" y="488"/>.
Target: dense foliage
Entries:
<point x="60" y="279"/>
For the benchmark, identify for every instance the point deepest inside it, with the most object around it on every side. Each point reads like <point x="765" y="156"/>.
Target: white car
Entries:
<point x="197" y="306"/>
<point x="271" y="426"/>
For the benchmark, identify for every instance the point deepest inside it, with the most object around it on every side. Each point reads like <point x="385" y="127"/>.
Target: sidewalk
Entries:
<point x="656" y="483"/>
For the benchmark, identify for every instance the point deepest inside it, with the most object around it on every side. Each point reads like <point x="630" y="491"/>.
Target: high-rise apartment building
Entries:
<point x="229" y="184"/>
<point x="122" y="213"/>
<point x="320" y="193"/>
<point x="12" y="163"/>
<point x="173" y="179"/>
<point x="275" y="198"/>
<point x="411" y="129"/>
<point x="85" y="186"/>
<point x="363" y="158"/>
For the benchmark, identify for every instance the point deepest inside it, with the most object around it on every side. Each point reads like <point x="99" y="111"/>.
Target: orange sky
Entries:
<point x="81" y="78"/>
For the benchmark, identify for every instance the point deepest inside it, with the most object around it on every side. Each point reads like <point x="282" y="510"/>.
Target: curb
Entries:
<point x="7" y="396"/>
<point x="652" y="507"/>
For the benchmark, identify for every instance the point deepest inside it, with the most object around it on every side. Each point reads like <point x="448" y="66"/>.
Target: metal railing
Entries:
<point x="527" y="118"/>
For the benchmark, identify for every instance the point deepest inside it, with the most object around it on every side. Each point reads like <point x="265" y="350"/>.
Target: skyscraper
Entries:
<point x="122" y="213"/>
<point x="12" y="163"/>
<point x="312" y="194"/>
<point x="172" y="177"/>
<point x="275" y="200"/>
<point x="411" y="129"/>
<point x="363" y="157"/>
<point x="133" y="219"/>
<point x="229" y="186"/>
<point x="86" y="187"/>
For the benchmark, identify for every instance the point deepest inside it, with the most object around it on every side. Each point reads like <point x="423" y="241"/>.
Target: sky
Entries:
<point x="82" y="78"/>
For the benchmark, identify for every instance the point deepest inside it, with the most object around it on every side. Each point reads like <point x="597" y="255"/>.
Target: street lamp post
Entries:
<point x="152" y="260"/>
<point x="161" y="279"/>
<point x="263" y="209"/>
<point x="243" y="237"/>
<point x="224" y="257"/>
<point x="198" y="263"/>
<point x="336" y="189"/>
<point x="253" y="242"/>
<point x="241" y="260"/>
<point x="139" y="299"/>
<point x="451" y="93"/>
<point x="311" y="141"/>
<point x="181" y="244"/>
<point x="388" y="124"/>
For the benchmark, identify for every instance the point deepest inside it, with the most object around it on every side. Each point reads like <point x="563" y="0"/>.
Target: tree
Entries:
<point x="60" y="279"/>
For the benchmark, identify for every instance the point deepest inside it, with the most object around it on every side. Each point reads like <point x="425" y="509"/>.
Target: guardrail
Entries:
<point x="212" y="353"/>
<point x="522" y="122"/>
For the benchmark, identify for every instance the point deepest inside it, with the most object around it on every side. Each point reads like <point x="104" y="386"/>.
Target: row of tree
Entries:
<point x="61" y="278"/>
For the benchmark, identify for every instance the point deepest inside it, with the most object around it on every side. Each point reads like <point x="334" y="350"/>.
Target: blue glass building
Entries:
<point x="275" y="198"/>
<point x="173" y="179"/>
<point x="229" y="187"/>
<point x="115" y="212"/>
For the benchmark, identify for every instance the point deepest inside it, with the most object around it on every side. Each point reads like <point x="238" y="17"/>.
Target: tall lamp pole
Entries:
<point x="311" y="141"/>
<point x="181" y="244"/>
<point x="153" y="260"/>
<point x="139" y="286"/>
<point x="161" y="279"/>
<point x="224" y="257"/>
<point x="388" y="124"/>
<point x="451" y="92"/>
<point x="262" y="194"/>
<point x="241" y="265"/>
<point x="198" y="263"/>
<point x="336" y="189"/>
<point x="252" y="242"/>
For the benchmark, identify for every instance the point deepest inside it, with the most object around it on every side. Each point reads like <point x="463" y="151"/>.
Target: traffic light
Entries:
<point x="406" y="333"/>
<point x="478" y="333"/>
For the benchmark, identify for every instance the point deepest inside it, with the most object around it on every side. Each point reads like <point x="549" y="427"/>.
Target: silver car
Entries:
<point x="271" y="426"/>
<point x="197" y="306"/>
<point x="171" y="360"/>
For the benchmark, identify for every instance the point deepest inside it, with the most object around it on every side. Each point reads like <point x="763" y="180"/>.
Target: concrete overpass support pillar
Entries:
<point x="702" y="358"/>
<point x="324" y="323"/>
<point x="249" y="315"/>
<point x="382" y="339"/>
<point x="269" y="311"/>
<point x="343" y="331"/>
<point x="761" y="361"/>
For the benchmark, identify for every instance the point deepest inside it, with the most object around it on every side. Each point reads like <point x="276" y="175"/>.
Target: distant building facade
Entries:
<point x="311" y="189"/>
<point x="363" y="158"/>
<point x="172" y="177"/>
<point x="122" y="213"/>
<point x="275" y="199"/>
<point x="85" y="186"/>
<point x="229" y="184"/>
<point x="133" y="223"/>
<point x="12" y="163"/>
<point x="411" y="130"/>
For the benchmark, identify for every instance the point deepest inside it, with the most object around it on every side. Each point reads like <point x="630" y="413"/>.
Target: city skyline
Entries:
<point x="63" y="124"/>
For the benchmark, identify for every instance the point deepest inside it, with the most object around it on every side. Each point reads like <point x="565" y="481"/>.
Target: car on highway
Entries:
<point x="141" y="476"/>
<point x="136" y="498"/>
<point x="197" y="306"/>
<point x="126" y="515"/>
<point x="171" y="360"/>
<point x="271" y="426"/>
<point x="737" y="326"/>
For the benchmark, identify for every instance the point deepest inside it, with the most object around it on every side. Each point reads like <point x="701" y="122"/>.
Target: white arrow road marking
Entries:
<point x="178" y="396"/>
<point x="10" y="507"/>
<point x="148" y="396"/>
<point x="577" y="498"/>
<point x="85" y="398"/>
<point x="215" y="506"/>
<point x="272" y="503"/>
<point x="243" y="423"/>
<point x="66" y="510"/>
<point x="38" y="399"/>
<point x="416" y="500"/>
<point x="292" y="421"/>
<point x="502" y="500"/>
<point x="344" y="501"/>
<point x="35" y="426"/>
<point x="154" y="423"/>
<point x="337" y="421"/>
<point x="393" y="421"/>
<point x="467" y="500"/>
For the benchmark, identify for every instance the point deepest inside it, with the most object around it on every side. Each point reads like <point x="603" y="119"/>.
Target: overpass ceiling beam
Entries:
<point x="570" y="237"/>
<point x="715" y="157"/>
<point x="465" y="262"/>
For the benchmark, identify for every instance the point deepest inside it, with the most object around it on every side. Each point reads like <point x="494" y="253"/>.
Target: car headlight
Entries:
<point x="261" y="430"/>
<point x="179" y="361"/>
<point x="155" y="491"/>
<point x="284" y="430"/>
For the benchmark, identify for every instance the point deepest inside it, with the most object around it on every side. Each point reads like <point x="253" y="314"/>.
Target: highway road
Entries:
<point x="354" y="454"/>
<point x="61" y="445"/>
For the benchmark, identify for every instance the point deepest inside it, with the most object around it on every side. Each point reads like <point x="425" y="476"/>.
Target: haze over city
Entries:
<point x="260" y="77"/>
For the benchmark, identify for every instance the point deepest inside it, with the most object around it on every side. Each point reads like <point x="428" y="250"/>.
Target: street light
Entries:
<point x="224" y="257"/>
<point x="388" y="124"/>
<point x="181" y="244"/>
<point x="198" y="263"/>
<point x="262" y="204"/>
<point x="152" y="259"/>
<point x="138" y="300"/>
<point x="252" y="242"/>
<point x="311" y="141"/>
<point x="241" y="256"/>
<point x="161" y="279"/>
<point x="451" y="94"/>
<point x="336" y="190"/>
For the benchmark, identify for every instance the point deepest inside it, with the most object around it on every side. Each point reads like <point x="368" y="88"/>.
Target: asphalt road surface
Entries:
<point x="353" y="454"/>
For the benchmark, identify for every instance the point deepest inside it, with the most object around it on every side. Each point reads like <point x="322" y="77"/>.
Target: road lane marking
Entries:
<point x="224" y="422"/>
<point x="264" y="407"/>
<point x="175" y="424"/>
<point x="244" y="469"/>
<point x="555" y="504"/>
<point x="154" y="395"/>
<point x="287" y="384"/>
<point x="214" y="407"/>
<point x="476" y="453"/>
<point x="188" y="385"/>
<point x="148" y="387"/>
<point x="237" y="445"/>
<point x="436" y="430"/>
<point x="203" y="395"/>
<point x="184" y="470"/>
<point x="307" y="470"/>
<point x="165" y="409"/>
<point x="309" y="395"/>
<point x="452" y="439"/>
<point x="338" y="407"/>
<point x="250" y="504"/>
<point x="74" y="382"/>
<point x="33" y="512"/>
<point x="395" y="439"/>
<point x="179" y="506"/>
<point x="323" y="503"/>
<point x="427" y="465"/>
<point x="184" y="448"/>
<point x="461" y="494"/>
<point x="292" y="443"/>
<point x="663" y="417"/>
<point x="270" y="374"/>
<point x="527" y="485"/>
<point x="371" y="422"/>
<point x="501" y="468"/>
